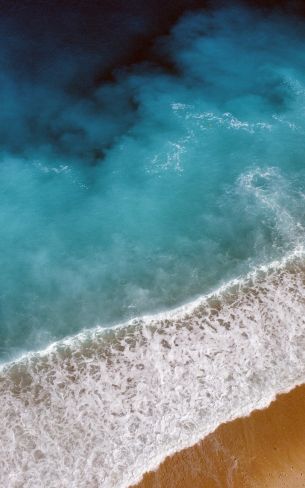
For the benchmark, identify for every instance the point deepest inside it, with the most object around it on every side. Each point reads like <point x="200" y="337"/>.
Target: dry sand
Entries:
<point x="264" y="450"/>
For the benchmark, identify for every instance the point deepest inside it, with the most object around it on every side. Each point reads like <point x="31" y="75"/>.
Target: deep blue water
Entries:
<point x="154" y="187"/>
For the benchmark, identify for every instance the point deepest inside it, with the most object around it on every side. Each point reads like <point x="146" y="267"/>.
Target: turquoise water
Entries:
<point x="200" y="180"/>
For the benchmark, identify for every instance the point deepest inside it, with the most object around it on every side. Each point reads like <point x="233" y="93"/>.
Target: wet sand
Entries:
<point x="264" y="450"/>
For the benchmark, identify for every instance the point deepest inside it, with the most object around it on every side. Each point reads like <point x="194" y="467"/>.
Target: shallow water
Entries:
<point x="201" y="179"/>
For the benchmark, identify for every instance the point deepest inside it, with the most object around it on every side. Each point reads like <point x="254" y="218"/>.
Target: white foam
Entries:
<point x="100" y="411"/>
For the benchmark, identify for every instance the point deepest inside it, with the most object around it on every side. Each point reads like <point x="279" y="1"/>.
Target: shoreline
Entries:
<point x="153" y="389"/>
<point x="263" y="450"/>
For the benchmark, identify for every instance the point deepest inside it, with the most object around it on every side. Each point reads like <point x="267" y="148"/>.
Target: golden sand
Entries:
<point x="264" y="450"/>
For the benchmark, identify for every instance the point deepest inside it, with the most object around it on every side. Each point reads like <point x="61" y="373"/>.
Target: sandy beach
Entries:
<point x="264" y="450"/>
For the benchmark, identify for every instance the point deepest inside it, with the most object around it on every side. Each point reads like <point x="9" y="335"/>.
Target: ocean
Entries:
<point x="152" y="251"/>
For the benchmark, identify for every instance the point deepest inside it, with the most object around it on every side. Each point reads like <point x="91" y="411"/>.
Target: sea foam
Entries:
<point x="105" y="407"/>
